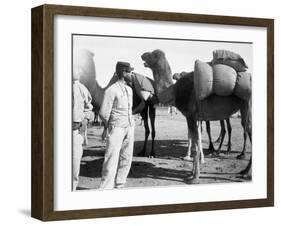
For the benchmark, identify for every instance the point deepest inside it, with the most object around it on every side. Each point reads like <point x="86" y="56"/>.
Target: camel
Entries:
<point x="84" y="59"/>
<point x="182" y="95"/>
<point x="220" y="139"/>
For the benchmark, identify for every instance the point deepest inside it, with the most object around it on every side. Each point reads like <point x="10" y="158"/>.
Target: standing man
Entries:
<point x="116" y="112"/>
<point x="82" y="114"/>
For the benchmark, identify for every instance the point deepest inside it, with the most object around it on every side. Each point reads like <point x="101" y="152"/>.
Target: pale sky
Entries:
<point x="181" y="54"/>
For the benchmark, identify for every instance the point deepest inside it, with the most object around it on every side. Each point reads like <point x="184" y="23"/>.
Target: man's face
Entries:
<point x="128" y="77"/>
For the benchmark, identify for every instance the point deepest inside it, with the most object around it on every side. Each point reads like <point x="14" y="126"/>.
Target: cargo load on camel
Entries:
<point x="222" y="79"/>
<point x="229" y="58"/>
<point x="143" y="85"/>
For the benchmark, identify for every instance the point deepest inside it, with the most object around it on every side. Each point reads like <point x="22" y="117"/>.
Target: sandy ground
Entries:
<point x="168" y="168"/>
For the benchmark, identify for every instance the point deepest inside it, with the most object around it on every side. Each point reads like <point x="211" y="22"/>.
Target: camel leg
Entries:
<point x="196" y="138"/>
<point x="218" y="140"/>
<point x="223" y="132"/>
<point x="188" y="154"/>
<point x="152" y="122"/>
<point x="242" y="155"/>
<point x="104" y="133"/>
<point x="202" y="159"/>
<point x="85" y="136"/>
<point x="229" y="130"/>
<point x="246" y="119"/>
<point x="144" y="115"/>
<point x="246" y="172"/>
<point x="211" y="146"/>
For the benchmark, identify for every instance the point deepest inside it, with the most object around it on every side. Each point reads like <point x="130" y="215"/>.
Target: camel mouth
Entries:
<point x="145" y="57"/>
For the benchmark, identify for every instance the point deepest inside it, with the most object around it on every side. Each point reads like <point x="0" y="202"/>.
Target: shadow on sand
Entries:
<point x="91" y="165"/>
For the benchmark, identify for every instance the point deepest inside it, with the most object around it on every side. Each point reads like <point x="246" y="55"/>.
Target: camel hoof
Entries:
<point x="241" y="156"/>
<point x="211" y="149"/>
<point x="141" y="154"/>
<point x="187" y="158"/>
<point x="218" y="141"/>
<point x="202" y="161"/>
<point x="216" y="154"/>
<point x="191" y="180"/>
<point x="245" y="174"/>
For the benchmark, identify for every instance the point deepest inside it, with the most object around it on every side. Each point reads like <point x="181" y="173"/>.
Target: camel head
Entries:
<point x="84" y="68"/>
<point x="183" y="74"/>
<point x="157" y="62"/>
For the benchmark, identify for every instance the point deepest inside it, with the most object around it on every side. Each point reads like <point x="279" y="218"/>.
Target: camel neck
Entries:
<point x="97" y="93"/>
<point x="163" y="80"/>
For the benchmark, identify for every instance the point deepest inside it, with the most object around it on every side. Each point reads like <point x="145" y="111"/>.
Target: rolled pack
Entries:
<point x="243" y="88"/>
<point x="203" y="79"/>
<point x="224" y="80"/>
<point x="229" y="58"/>
<point x="143" y="85"/>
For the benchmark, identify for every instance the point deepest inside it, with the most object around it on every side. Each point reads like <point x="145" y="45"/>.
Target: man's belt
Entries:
<point x="76" y="125"/>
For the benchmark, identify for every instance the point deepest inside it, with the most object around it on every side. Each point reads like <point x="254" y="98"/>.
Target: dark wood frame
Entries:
<point x="42" y="202"/>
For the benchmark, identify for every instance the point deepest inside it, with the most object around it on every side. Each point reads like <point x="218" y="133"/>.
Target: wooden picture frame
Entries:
<point x="42" y="203"/>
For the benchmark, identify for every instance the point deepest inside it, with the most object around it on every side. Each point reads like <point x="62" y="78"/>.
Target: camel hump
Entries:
<point x="82" y="58"/>
<point x="83" y="63"/>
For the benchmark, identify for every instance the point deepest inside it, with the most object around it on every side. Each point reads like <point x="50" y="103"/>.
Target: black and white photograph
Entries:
<point x="158" y="112"/>
<point x="150" y="112"/>
<point x="121" y="113"/>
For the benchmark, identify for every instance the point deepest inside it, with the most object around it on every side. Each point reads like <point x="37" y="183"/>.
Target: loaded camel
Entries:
<point x="84" y="59"/>
<point x="221" y="137"/>
<point x="182" y="95"/>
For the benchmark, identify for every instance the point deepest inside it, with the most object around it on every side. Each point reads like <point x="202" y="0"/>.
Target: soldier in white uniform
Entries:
<point x="82" y="114"/>
<point x="116" y="112"/>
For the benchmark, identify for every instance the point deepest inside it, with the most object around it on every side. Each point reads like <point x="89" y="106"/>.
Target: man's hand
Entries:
<point x="139" y="108"/>
<point x="153" y="99"/>
<point x="84" y="124"/>
<point x="104" y="133"/>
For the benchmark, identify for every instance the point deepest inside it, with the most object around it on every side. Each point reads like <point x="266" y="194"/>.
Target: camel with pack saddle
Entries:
<point x="220" y="139"/>
<point x="186" y="97"/>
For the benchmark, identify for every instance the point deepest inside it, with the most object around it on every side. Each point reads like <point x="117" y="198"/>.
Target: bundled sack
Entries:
<point x="143" y="85"/>
<point x="229" y="58"/>
<point x="224" y="80"/>
<point x="243" y="88"/>
<point x="203" y="79"/>
<point x="219" y="79"/>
